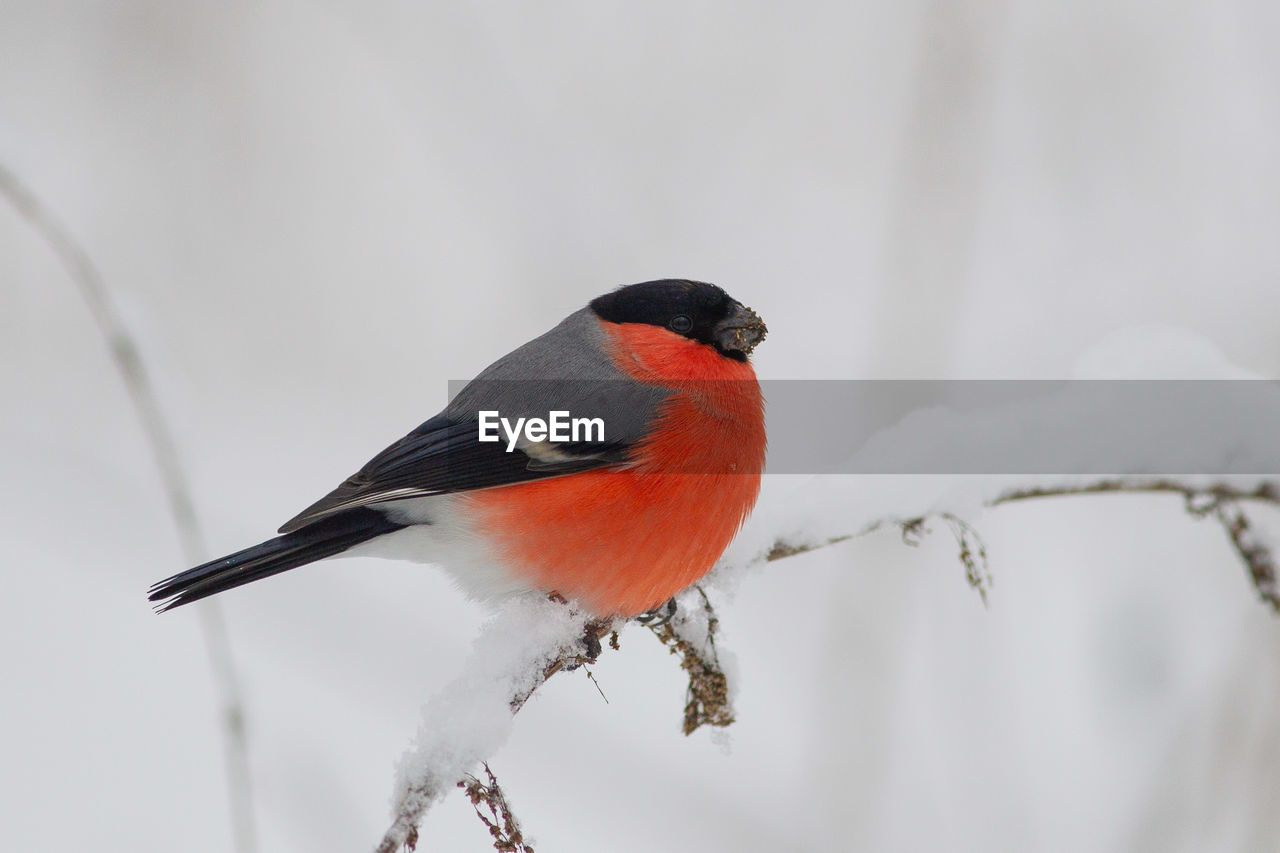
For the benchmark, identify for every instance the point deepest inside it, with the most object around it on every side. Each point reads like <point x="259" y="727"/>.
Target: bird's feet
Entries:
<point x="658" y="616"/>
<point x="591" y="641"/>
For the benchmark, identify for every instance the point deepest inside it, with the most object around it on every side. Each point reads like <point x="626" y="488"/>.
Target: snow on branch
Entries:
<point x="465" y="723"/>
<point x="533" y="639"/>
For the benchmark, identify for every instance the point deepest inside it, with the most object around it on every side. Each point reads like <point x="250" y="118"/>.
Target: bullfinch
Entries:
<point x="618" y="517"/>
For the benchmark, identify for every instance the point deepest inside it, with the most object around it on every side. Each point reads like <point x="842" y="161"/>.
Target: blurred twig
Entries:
<point x="972" y="554"/>
<point x="1221" y="501"/>
<point x="128" y="361"/>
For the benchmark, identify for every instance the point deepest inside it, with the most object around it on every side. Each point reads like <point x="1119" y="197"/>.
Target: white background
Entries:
<point x="315" y="214"/>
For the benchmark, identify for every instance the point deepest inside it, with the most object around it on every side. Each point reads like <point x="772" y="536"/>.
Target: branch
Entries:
<point x="1264" y="492"/>
<point x="1220" y="501"/>
<point x="518" y="650"/>
<point x="438" y="763"/>
<point x="501" y="822"/>
<point x="129" y="364"/>
<point x="508" y="666"/>
<point x="691" y="634"/>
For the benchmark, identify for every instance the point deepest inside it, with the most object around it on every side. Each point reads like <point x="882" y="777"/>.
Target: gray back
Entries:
<point x="566" y="369"/>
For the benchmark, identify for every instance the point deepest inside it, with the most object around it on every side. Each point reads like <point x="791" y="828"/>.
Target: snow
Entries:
<point x="470" y="718"/>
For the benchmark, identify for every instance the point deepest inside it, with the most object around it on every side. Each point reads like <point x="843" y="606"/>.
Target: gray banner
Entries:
<point x="983" y="426"/>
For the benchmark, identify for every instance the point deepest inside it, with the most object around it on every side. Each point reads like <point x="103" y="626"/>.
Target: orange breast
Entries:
<point x="623" y="542"/>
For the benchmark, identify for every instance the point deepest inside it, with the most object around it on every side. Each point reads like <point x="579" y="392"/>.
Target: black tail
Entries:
<point x="318" y="540"/>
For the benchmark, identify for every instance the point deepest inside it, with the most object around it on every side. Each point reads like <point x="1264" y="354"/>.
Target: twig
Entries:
<point x="781" y="549"/>
<point x="972" y="554"/>
<point x="422" y="788"/>
<point x="501" y="822"/>
<point x="129" y="363"/>
<point x="707" y="696"/>
<point x="706" y="701"/>
<point x="568" y="661"/>
<point x="1264" y="492"/>
<point x="1221" y="501"/>
<point x="1257" y="558"/>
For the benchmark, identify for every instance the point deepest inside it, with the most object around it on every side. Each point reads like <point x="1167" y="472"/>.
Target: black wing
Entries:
<point x="445" y="455"/>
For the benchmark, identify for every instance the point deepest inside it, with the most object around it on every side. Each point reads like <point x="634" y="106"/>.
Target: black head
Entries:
<point x="696" y="310"/>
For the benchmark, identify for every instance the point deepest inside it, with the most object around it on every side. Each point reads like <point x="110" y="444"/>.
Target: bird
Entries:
<point x="617" y="520"/>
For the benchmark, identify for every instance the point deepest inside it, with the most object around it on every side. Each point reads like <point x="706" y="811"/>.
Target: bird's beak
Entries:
<point x="740" y="331"/>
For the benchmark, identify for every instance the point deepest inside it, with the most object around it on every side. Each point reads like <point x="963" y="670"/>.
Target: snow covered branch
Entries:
<point x="465" y="723"/>
<point x="522" y="647"/>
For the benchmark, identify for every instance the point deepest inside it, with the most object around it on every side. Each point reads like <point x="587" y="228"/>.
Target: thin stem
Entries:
<point x="1220" y="501"/>
<point x="128" y="361"/>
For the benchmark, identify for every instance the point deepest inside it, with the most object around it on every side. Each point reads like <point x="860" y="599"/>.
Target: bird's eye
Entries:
<point x="681" y="324"/>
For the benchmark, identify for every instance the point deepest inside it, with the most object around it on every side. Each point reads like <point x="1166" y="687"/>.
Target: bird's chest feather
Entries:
<point x="625" y="541"/>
